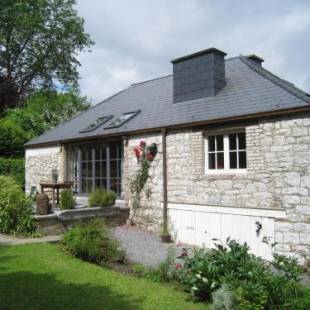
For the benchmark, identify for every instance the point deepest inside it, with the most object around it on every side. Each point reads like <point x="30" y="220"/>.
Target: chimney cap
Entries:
<point x="200" y="53"/>
<point x="256" y="58"/>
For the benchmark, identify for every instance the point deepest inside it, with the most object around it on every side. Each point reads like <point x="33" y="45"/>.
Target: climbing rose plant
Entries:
<point x="144" y="154"/>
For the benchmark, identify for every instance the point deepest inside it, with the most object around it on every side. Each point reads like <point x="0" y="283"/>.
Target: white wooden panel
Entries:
<point x="199" y="228"/>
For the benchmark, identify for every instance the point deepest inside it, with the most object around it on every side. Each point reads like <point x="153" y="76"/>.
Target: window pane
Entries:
<point x="98" y="183"/>
<point x="97" y="169"/>
<point x="112" y="151"/>
<point x="104" y="183"/>
<point x="84" y="186"/>
<point x="114" y="185"/>
<point x="220" y="160"/>
<point x="242" y="160"/>
<point x="90" y="169"/>
<point x="233" y="160"/>
<point x="219" y="142"/>
<point x="103" y="169"/>
<point x="211" y="160"/>
<point x="97" y="153"/>
<point x="104" y="153"/>
<point x="211" y="143"/>
<point x="84" y="169"/>
<point x="232" y="142"/>
<point x="119" y="168"/>
<point x="242" y="142"/>
<point x="113" y="172"/>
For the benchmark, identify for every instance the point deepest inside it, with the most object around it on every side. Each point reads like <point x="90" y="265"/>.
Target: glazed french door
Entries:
<point x="97" y="166"/>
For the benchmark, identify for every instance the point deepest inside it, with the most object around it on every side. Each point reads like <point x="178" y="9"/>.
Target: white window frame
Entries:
<point x="226" y="153"/>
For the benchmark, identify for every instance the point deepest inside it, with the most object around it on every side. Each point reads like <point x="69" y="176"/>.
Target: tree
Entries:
<point x="41" y="112"/>
<point x="39" y="44"/>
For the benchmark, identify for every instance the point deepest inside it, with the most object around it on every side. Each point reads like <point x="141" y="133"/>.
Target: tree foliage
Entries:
<point x="42" y="111"/>
<point x="39" y="44"/>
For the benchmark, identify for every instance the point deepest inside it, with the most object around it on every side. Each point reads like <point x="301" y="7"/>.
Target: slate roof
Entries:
<point x="250" y="89"/>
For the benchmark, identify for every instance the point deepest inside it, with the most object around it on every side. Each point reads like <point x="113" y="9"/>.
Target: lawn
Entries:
<point x="40" y="276"/>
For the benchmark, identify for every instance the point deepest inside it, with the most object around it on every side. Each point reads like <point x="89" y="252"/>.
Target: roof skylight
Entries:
<point x="121" y="120"/>
<point x="99" y="122"/>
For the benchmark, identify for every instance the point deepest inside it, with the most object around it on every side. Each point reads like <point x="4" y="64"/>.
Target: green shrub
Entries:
<point x="14" y="167"/>
<point x="101" y="198"/>
<point x="15" y="208"/>
<point x="67" y="200"/>
<point x="93" y="243"/>
<point x="139" y="270"/>
<point x="12" y="139"/>
<point x="254" y="283"/>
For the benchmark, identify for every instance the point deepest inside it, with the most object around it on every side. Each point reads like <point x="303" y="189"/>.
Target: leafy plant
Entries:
<point x="139" y="270"/>
<point x="14" y="167"/>
<point x="15" y="208"/>
<point x="253" y="284"/>
<point x="67" y="200"/>
<point x="101" y="198"/>
<point x="92" y="242"/>
<point x="144" y="155"/>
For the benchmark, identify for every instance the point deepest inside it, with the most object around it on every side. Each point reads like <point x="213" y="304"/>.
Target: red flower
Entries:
<point x="137" y="152"/>
<point x="149" y="157"/>
<point x="178" y="266"/>
<point x="142" y="143"/>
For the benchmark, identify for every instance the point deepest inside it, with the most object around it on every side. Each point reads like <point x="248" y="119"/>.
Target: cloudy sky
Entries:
<point x="136" y="39"/>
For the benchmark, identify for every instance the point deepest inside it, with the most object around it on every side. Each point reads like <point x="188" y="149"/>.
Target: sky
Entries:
<point x="136" y="39"/>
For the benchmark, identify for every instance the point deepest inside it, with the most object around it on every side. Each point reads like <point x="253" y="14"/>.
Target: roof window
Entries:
<point x="121" y="120"/>
<point x="99" y="122"/>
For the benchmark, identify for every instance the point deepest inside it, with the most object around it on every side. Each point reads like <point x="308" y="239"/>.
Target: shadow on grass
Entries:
<point x="25" y="290"/>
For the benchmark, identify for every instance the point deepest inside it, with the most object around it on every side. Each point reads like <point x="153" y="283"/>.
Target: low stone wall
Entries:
<point x="58" y="223"/>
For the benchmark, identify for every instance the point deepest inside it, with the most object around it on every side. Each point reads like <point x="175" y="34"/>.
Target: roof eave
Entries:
<point x="175" y="126"/>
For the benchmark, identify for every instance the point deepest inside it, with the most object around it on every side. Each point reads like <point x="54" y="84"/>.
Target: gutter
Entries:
<point x="165" y="236"/>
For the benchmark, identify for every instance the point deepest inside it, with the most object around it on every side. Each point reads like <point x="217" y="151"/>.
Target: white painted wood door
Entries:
<point x="200" y="228"/>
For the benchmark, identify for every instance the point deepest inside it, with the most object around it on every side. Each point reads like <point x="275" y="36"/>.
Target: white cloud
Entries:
<point x="135" y="40"/>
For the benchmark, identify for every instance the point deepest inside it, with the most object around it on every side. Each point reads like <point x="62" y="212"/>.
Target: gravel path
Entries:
<point x="142" y="246"/>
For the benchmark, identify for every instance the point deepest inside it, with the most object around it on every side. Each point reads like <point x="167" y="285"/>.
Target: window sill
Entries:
<point x="226" y="172"/>
<point x="224" y="175"/>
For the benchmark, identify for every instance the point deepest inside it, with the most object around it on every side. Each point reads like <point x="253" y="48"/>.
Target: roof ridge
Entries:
<point x="288" y="86"/>
<point x="150" y="80"/>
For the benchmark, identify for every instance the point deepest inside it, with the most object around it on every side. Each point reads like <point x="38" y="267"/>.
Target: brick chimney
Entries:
<point x="198" y="75"/>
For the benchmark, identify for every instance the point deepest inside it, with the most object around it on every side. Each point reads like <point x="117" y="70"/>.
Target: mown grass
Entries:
<point x="40" y="276"/>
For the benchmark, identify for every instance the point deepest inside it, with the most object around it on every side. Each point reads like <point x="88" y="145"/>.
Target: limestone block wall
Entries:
<point x="277" y="177"/>
<point x="39" y="164"/>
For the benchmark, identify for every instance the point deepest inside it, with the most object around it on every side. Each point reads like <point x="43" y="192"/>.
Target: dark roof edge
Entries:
<point x="200" y="53"/>
<point x="176" y="126"/>
<point x="293" y="90"/>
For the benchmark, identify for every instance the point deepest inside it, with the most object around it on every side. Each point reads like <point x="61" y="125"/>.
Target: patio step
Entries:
<point x="81" y="200"/>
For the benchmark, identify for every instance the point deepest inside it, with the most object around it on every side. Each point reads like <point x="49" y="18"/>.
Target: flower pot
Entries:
<point x="166" y="238"/>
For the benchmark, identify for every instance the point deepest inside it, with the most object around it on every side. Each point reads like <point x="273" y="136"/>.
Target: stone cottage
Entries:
<point x="233" y="160"/>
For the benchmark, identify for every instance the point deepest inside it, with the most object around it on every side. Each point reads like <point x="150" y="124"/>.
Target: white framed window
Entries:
<point x="225" y="152"/>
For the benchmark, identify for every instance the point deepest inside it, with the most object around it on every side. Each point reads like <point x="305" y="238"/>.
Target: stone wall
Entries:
<point x="149" y="216"/>
<point x="277" y="176"/>
<point x="39" y="164"/>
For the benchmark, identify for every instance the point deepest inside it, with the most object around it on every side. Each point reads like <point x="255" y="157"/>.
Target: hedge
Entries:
<point x="14" y="167"/>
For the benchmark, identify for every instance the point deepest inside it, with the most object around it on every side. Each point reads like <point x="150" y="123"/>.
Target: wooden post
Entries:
<point x="165" y="237"/>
